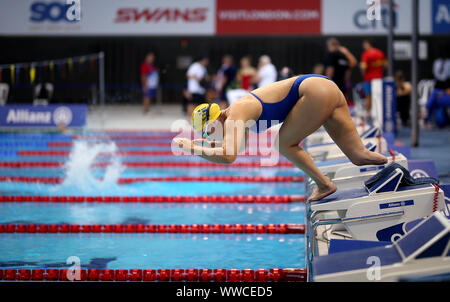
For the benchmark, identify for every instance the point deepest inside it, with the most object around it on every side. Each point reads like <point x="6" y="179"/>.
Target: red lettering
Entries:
<point x="199" y="14"/>
<point x="183" y="15"/>
<point x="148" y="14"/>
<point x="126" y="15"/>
<point x="164" y="13"/>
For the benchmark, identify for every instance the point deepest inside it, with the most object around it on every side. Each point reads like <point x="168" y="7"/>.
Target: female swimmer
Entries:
<point x="303" y="103"/>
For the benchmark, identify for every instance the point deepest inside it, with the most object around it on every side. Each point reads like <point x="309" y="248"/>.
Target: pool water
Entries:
<point x="127" y="251"/>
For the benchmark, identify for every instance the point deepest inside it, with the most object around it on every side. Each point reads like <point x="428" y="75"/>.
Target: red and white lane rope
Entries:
<point x="129" y="180"/>
<point x="55" y="164"/>
<point x="168" y="199"/>
<point x="69" y="144"/>
<point x="192" y="275"/>
<point x="131" y="153"/>
<point x="156" y="228"/>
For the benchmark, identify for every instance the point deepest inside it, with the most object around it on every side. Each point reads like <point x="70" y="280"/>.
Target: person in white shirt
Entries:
<point x="195" y="75"/>
<point x="267" y="73"/>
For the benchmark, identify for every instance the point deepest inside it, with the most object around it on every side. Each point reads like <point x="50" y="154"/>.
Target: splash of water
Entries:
<point x="79" y="175"/>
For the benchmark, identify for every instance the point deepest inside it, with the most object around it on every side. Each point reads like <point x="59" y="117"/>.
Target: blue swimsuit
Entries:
<point x="277" y="112"/>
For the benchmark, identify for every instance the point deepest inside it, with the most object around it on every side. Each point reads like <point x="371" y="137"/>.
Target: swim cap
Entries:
<point x="203" y="114"/>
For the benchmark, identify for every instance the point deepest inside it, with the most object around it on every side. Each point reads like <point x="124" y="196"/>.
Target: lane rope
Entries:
<point x="68" y="144"/>
<point x="168" y="199"/>
<point x="54" y="164"/>
<point x="130" y="180"/>
<point x="190" y="275"/>
<point x="156" y="228"/>
<point x="57" y="153"/>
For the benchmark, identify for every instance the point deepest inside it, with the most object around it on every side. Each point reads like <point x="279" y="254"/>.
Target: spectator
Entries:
<point x="149" y="80"/>
<point x="246" y="74"/>
<point x="244" y="80"/>
<point x="440" y="97"/>
<point x="338" y="63"/>
<point x="285" y="73"/>
<point x="196" y="77"/>
<point x="441" y="72"/>
<point x="373" y="63"/>
<point x="404" y="89"/>
<point x="225" y="78"/>
<point x="267" y="73"/>
<point x="318" y="69"/>
<point x="43" y="93"/>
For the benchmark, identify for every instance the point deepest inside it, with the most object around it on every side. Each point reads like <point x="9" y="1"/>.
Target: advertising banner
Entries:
<point x="268" y="17"/>
<point x="221" y="17"/>
<point x="108" y="17"/>
<point x="357" y="17"/>
<point x="441" y="16"/>
<point x="384" y="105"/>
<point x="422" y="168"/>
<point x="43" y="116"/>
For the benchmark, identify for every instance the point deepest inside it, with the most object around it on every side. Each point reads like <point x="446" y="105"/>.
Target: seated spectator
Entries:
<point x="440" y="97"/>
<point x="439" y="101"/>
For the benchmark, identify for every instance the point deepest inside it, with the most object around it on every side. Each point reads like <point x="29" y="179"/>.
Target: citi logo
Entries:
<point x="134" y="15"/>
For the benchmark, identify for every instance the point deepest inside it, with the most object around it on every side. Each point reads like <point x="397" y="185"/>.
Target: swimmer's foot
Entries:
<point x="369" y="158"/>
<point x="322" y="192"/>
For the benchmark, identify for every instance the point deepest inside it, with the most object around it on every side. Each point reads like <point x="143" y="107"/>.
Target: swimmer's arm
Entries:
<point x="233" y="143"/>
<point x="224" y="154"/>
<point x="202" y="141"/>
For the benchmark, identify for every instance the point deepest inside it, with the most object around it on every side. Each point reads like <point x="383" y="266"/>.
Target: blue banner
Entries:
<point x="43" y="116"/>
<point x="441" y="16"/>
<point x="389" y="106"/>
<point x="422" y="168"/>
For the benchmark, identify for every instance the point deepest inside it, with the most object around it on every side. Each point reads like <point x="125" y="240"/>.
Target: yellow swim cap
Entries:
<point x="203" y="114"/>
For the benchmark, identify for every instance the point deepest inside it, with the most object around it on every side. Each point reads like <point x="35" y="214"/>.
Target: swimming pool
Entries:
<point x="244" y="204"/>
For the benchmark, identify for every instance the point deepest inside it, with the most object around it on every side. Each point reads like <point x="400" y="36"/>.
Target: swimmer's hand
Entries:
<point x="202" y="142"/>
<point x="184" y="143"/>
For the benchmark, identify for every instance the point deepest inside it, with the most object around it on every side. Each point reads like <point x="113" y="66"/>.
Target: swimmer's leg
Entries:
<point x="343" y="132"/>
<point x="322" y="104"/>
<point x="305" y="118"/>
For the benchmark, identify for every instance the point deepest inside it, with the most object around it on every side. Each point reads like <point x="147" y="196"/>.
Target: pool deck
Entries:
<point x="131" y="117"/>
<point x="433" y="144"/>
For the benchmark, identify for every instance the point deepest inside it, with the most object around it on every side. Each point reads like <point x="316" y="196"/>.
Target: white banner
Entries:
<point x="107" y="17"/>
<point x="370" y="17"/>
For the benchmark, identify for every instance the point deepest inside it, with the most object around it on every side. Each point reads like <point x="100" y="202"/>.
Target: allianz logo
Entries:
<point x="396" y="204"/>
<point x="61" y="115"/>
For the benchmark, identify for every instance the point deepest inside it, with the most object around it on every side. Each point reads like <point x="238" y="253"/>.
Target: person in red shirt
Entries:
<point x="373" y="63"/>
<point x="149" y="80"/>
